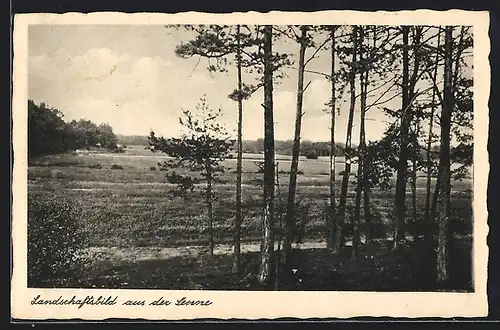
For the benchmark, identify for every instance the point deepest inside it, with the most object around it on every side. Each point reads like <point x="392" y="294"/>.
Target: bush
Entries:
<point x="55" y="243"/>
<point x="117" y="149"/>
<point x="56" y="174"/>
<point x="284" y="172"/>
<point x="311" y="154"/>
<point x="152" y="168"/>
<point x="116" y="167"/>
<point x="98" y="166"/>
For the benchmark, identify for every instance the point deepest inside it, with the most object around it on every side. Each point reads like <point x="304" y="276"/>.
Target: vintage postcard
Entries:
<point x="250" y="165"/>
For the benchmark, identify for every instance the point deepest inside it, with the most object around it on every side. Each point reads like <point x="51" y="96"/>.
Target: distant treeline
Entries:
<point x="308" y="148"/>
<point x="133" y="140"/>
<point x="48" y="133"/>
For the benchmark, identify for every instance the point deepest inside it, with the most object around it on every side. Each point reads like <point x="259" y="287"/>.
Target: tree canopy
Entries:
<point x="48" y="133"/>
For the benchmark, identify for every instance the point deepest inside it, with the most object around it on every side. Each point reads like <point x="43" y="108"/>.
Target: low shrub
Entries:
<point x="311" y="154"/>
<point x="97" y="166"/>
<point x="116" y="167"/>
<point x="282" y="171"/>
<point x="152" y="168"/>
<point x="118" y="150"/>
<point x="56" y="174"/>
<point x="55" y="243"/>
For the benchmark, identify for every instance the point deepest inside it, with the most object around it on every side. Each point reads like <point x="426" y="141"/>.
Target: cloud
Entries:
<point x="138" y="93"/>
<point x="104" y="86"/>
<point x="96" y="63"/>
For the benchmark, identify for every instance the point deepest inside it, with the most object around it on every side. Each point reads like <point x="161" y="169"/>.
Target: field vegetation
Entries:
<point x="132" y="223"/>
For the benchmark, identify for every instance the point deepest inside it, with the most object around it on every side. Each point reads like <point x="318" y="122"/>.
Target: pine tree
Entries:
<point x="201" y="151"/>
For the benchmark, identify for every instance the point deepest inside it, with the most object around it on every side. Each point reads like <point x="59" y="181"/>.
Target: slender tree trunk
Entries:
<point x="290" y="212"/>
<point x="361" y="154"/>
<point x="400" y="198"/>
<point x="428" y="219"/>
<point x="266" y="269"/>
<point x="437" y="189"/>
<point x="414" y="199"/>
<point x="277" y="272"/>
<point x="210" y="213"/>
<point x="413" y="82"/>
<point x="359" y="192"/>
<point x="238" y="218"/>
<point x="366" y="210"/>
<point x="435" y="196"/>
<point x="339" y="237"/>
<point x="444" y="164"/>
<point x="331" y="217"/>
<point x="457" y="59"/>
<point x="366" y="188"/>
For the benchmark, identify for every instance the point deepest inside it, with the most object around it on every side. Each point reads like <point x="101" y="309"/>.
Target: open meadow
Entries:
<point x="139" y="235"/>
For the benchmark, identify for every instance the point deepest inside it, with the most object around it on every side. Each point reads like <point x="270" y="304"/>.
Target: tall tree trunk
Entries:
<point x="416" y="131"/>
<point x="444" y="164"/>
<point x="290" y="211"/>
<point x="210" y="212"/>
<point x="366" y="188"/>
<point x="265" y="272"/>
<point x="400" y="198"/>
<point x="366" y="209"/>
<point x="437" y="189"/>
<point x="331" y="217"/>
<point x="414" y="195"/>
<point x="339" y="236"/>
<point x="457" y="59"/>
<point x="428" y="219"/>
<point x="277" y="272"/>
<point x="435" y="196"/>
<point x="361" y="153"/>
<point x="238" y="217"/>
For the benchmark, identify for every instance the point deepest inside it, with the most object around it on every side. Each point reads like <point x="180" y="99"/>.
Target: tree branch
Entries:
<point x="327" y="76"/>
<point x="309" y="83"/>
<point x="317" y="50"/>
<point x="199" y="59"/>
<point x="382" y="95"/>
<point x="434" y="85"/>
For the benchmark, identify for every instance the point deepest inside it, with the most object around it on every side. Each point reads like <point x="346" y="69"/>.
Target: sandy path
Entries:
<point x="117" y="254"/>
<point x="154" y="253"/>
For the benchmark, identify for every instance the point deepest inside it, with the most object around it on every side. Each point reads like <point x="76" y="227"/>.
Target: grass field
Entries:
<point x="131" y="208"/>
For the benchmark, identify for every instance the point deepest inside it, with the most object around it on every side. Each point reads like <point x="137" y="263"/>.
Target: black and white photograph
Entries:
<point x="239" y="155"/>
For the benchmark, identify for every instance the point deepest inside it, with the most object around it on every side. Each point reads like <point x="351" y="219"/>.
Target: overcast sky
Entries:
<point x="130" y="77"/>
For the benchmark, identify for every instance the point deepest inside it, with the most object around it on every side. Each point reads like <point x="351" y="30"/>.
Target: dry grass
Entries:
<point x="133" y="207"/>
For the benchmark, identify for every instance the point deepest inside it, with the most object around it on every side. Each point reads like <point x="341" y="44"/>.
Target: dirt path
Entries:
<point x="152" y="253"/>
<point x="132" y="254"/>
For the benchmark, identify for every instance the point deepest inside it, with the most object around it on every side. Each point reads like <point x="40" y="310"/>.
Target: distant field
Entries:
<point x="133" y="207"/>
